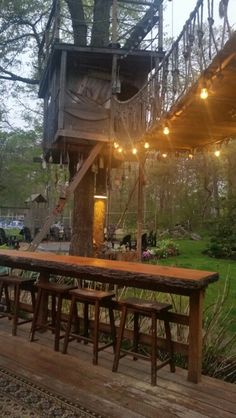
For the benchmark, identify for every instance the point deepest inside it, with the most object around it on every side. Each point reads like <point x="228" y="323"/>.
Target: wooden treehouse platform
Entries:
<point x="196" y="123"/>
<point x="126" y="394"/>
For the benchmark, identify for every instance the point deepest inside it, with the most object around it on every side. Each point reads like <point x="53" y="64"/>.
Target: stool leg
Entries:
<point x="36" y="314"/>
<point x="96" y="332"/>
<point x="58" y="323"/>
<point x="7" y="297"/>
<point x="16" y="308"/>
<point x="154" y="350"/>
<point x="113" y="327"/>
<point x="86" y="321"/>
<point x="119" y="340"/>
<point x="33" y="300"/>
<point x="53" y="312"/>
<point x="169" y="345"/>
<point x="69" y="323"/>
<point x="1" y="289"/>
<point x="136" y="333"/>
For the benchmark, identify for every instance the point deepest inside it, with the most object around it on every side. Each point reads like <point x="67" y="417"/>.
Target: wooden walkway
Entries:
<point x="126" y="394"/>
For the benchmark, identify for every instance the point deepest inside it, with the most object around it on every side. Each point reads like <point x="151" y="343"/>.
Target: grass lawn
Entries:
<point x="191" y="257"/>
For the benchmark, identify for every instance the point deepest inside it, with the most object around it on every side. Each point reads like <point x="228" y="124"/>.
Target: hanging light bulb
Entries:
<point x="120" y="150"/>
<point x="217" y="153"/>
<point x="190" y="156"/>
<point x="146" y="145"/>
<point x="204" y="93"/>
<point x="166" y="130"/>
<point x="134" y="151"/>
<point x="116" y="145"/>
<point x="164" y="155"/>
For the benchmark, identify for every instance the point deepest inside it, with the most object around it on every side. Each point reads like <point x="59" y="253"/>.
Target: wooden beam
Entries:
<point x="80" y="135"/>
<point x="62" y="90"/>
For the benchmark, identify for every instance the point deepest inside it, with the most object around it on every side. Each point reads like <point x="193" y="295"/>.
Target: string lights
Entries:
<point x="185" y="153"/>
<point x="166" y="130"/>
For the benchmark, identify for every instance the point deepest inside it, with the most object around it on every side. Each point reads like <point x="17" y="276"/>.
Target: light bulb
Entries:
<point x="217" y="153"/>
<point x="166" y="130"/>
<point x="204" y="93"/>
<point x="146" y="145"/>
<point x="164" y="155"/>
<point x="120" y="150"/>
<point x="134" y="151"/>
<point x="116" y="145"/>
<point x="190" y="156"/>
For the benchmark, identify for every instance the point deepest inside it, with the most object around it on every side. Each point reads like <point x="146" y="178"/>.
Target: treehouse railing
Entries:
<point x="188" y="58"/>
<point x="134" y="22"/>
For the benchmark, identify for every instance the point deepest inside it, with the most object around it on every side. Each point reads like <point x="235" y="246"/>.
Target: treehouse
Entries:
<point x="77" y="87"/>
<point x="84" y="72"/>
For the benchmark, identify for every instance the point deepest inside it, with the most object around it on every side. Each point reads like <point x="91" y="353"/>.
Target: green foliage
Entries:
<point x="19" y="175"/>
<point x="165" y="248"/>
<point x="219" y="352"/>
<point x="223" y="241"/>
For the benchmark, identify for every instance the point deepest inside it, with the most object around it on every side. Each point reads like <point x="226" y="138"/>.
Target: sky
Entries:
<point x="178" y="11"/>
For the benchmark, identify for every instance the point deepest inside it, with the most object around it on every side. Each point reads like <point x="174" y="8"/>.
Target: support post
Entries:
<point x="140" y="209"/>
<point x="195" y="335"/>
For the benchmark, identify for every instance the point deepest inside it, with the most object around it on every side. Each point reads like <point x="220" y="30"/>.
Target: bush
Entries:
<point x="165" y="248"/>
<point x="223" y="241"/>
<point x="219" y="348"/>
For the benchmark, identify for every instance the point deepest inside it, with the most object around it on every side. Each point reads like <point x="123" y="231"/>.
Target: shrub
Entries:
<point x="219" y="348"/>
<point x="223" y="240"/>
<point x="165" y="248"/>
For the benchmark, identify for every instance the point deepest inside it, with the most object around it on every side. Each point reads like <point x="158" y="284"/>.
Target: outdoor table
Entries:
<point x="180" y="281"/>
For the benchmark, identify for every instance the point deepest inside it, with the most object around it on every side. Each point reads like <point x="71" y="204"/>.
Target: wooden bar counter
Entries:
<point x="180" y="281"/>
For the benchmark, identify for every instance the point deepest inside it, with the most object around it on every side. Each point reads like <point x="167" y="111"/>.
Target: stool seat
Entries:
<point x="138" y="304"/>
<point x="12" y="310"/>
<point x="88" y="297"/>
<point x="152" y="309"/>
<point x="91" y="294"/>
<point x="57" y="292"/>
<point x="55" y="287"/>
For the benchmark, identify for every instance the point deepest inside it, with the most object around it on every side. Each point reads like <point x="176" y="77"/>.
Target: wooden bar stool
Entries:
<point x="88" y="297"/>
<point x="18" y="284"/>
<point x="57" y="292"/>
<point x="139" y="307"/>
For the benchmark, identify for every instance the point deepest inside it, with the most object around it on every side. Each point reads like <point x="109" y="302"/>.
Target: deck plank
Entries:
<point x="127" y="394"/>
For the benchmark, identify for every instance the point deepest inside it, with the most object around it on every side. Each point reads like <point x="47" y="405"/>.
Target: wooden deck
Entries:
<point x="126" y="394"/>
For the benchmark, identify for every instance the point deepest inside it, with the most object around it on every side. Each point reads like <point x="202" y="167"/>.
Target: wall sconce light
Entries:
<point x="100" y="196"/>
<point x="204" y="93"/>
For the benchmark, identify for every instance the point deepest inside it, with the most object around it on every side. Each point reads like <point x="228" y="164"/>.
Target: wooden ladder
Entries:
<point x="63" y="199"/>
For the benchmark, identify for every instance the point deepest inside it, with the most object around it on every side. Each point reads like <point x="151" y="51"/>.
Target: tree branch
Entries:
<point x="14" y="77"/>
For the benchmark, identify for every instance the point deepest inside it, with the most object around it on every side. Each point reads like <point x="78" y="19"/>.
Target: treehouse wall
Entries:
<point x="87" y="102"/>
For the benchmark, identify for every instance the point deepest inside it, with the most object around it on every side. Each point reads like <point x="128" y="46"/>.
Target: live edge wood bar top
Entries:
<point x="180" y="281"/>
<point x="145" y="276"/>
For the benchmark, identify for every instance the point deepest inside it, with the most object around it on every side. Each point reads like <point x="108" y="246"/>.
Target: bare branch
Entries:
<point x="14" y="77"/>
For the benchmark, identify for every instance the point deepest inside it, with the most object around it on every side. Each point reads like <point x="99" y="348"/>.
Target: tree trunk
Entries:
<point x="83" y="212"/>
<point x="79" y="26"/>
<point x="101" y="23"/>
